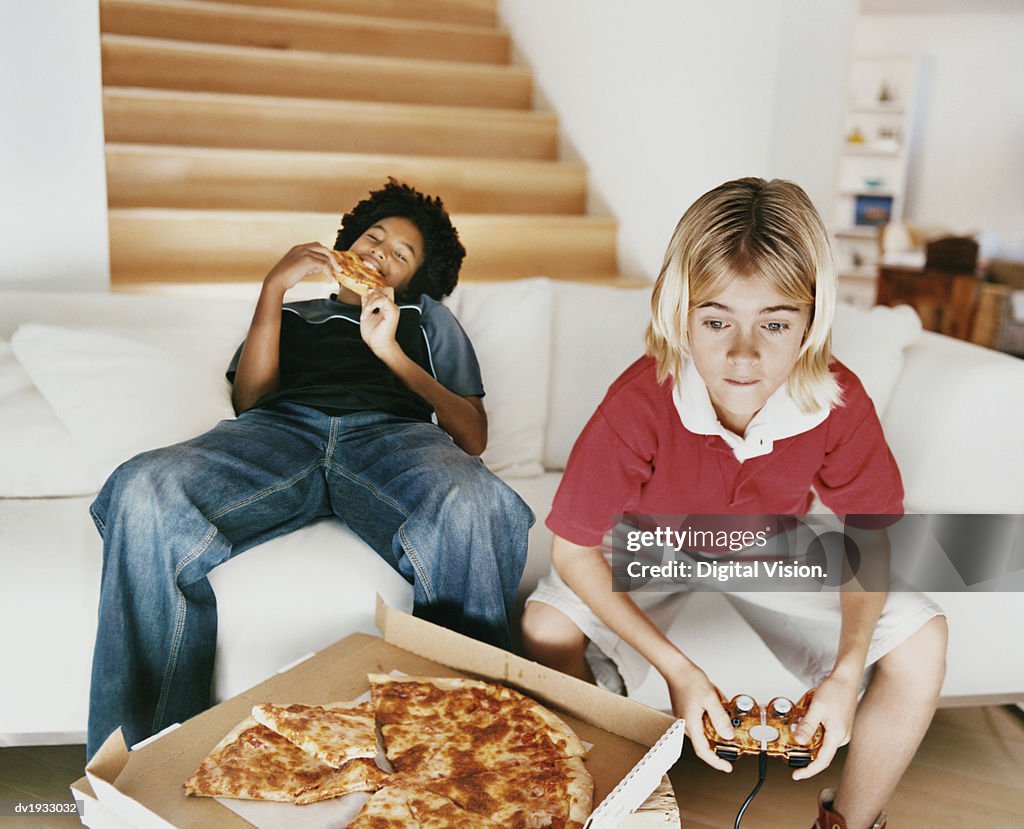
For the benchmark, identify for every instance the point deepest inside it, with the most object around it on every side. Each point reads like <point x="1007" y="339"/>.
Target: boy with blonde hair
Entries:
<point x="739" y="407"/>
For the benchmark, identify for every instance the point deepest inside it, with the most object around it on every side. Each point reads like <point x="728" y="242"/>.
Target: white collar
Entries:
<point x="778" y="418"/>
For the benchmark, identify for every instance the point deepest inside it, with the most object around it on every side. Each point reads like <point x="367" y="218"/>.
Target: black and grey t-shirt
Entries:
<point x="324" y="362"/>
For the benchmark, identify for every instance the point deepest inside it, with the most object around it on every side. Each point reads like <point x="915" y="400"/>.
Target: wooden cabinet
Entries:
<point x="945" y="301"/>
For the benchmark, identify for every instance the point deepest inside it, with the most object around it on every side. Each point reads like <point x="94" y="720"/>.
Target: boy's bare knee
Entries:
<point x="919" y="664"/>
<point x="553" y="639"/>
<point x="547" y="625"/>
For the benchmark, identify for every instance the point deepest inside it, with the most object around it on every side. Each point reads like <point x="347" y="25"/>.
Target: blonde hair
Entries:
<point x="750" y="228"/>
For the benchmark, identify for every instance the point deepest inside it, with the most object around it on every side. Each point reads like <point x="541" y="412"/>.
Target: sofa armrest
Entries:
<point x="954" y="425"/>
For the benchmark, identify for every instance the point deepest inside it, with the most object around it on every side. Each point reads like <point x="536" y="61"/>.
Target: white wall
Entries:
<point x="815" y="41"/>
<point x="53" y="202"/>
<point x="967" y="167"/>
<point x="664" y="99"/>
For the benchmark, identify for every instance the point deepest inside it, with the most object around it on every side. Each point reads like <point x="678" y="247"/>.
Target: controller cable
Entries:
<point x="762" y="772"/>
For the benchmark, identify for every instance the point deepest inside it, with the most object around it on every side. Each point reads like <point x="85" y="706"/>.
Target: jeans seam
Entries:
<point x="179" y="627"/>
<point x="340" y="470"/>
<point x="332" y="441"/>
<point x="263" y="493"/>
<point x="417" y="564"/>
<point x="100" y="525"/>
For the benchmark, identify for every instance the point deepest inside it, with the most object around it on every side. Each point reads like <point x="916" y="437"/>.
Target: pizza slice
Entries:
<point x="401" y="807"/>
<point x="353" y="273"/>
<point x="254" y="763"/>
<point x="553" y="793"/>
<point x="453" y="727"/>
<point x="334" y="733"/>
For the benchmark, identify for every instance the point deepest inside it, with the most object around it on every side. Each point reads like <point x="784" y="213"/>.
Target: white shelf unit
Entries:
<point x="874" y="155"/>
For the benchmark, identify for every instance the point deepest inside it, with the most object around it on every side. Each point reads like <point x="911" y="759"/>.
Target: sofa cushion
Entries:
<point x="871" y="342"/>
<point x="122" y="392"/>
<point x="40" y="458"/>
<point x="954" y="427"/>
<point x="255" y="639"/>
<point x="135" y="318"/>
<point x="597" y="332"/>
<point x="509" y="324"/>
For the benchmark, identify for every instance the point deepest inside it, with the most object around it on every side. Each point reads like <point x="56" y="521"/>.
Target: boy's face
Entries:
<point x="745" y="342"/>
<point x="394" y="248"/>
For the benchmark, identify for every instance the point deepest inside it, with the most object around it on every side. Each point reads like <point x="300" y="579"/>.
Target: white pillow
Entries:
<point x="38" y="457"/>
<point x="598" y="332"/>
<point x="870" y="342"/>
<point x="123" y="392"/>
<point x="509" y="324"/>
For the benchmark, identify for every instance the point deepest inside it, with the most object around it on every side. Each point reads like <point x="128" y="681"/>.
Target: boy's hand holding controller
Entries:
<point x="832" y="708"/>
<point x="797" y="732"/>
<point x="694" y="698"/>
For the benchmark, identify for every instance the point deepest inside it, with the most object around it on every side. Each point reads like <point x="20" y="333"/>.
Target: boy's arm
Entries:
<point x="586" y="572"/>
<point x="861" y="601"/>
<point x="258" y="369"/>
<point x="461" y="417"/>
<point x="464" y="418"/>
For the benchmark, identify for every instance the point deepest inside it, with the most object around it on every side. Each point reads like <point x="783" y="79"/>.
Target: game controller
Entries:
<point x="771" y="729"/>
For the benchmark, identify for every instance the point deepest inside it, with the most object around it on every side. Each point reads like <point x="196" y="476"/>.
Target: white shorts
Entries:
<point x="800" y="628"/>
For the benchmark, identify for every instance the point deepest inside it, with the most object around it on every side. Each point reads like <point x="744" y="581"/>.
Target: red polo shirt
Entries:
<point x="635" y="456"/>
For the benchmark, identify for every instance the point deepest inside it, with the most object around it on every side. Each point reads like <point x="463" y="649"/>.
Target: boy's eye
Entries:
<point x="400" y="256"/>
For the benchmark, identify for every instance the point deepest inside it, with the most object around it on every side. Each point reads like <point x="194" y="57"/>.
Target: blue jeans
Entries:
<point x="168" y="517"/>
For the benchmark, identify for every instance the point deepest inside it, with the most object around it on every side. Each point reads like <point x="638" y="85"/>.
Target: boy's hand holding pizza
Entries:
<point x="301" y="261"/>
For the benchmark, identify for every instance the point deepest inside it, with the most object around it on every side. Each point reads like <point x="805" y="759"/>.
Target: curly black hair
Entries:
<point x="442" y="251"/>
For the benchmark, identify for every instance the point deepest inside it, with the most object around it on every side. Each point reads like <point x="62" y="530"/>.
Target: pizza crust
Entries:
<point x="562" y="734"/>
<point x="580" y="792"/>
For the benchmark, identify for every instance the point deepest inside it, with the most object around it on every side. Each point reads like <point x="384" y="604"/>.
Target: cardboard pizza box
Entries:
<point x="633" y="746"/>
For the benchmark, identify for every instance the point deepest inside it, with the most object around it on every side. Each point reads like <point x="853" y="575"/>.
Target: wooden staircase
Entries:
<point x="236" y="129"/>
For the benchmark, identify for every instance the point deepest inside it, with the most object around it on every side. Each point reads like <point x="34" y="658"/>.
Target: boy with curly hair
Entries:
<point x="369" y="409"/>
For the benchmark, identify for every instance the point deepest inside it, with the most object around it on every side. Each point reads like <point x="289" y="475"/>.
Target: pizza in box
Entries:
<point x="462" y="753"/>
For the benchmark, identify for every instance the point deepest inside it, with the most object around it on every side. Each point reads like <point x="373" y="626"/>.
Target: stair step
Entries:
<point x="155" y="245"/>
<point x="471" y="12"/>
<point x="141" y="175"/>
<point x="275" y="28"/>
<point x="204" y="67"/>
<point x="150" y="116"/>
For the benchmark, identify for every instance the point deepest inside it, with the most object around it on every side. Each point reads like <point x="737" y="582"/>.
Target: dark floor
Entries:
<point x="39" y="774"/>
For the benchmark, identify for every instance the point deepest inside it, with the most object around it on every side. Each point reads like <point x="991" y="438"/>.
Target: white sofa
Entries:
<point x="87" y="380"/>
